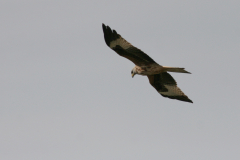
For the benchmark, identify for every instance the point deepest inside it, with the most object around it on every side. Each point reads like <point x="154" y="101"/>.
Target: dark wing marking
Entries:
<point x="167" y="86"/>
<point x="124" y="48"/>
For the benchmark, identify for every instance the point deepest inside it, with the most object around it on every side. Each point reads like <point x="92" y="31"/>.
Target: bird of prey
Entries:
<point x="158" y="77"/>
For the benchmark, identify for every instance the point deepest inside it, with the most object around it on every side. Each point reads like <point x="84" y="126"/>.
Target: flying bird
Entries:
<point x="158" y="75"/>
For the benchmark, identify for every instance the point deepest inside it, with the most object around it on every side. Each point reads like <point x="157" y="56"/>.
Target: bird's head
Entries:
<point x="133" y="72"/>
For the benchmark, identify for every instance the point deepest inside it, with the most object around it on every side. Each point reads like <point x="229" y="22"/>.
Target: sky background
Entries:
<point x="65" y="95"/>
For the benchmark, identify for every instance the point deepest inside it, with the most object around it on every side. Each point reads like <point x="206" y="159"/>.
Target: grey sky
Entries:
<point x="66" y="95"/>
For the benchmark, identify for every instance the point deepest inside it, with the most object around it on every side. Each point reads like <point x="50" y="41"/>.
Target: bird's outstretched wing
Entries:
<point x="124" y="48"/>
<point x="167" y="86"/>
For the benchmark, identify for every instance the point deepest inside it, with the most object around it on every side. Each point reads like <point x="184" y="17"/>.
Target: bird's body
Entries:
<point x="146" y="66"/>
<point x="149" y="70"/>
<point x="155" y="68"/>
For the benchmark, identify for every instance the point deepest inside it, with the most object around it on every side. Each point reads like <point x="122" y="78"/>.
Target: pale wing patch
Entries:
<point x="172" y="91"/>
<point x="121" y="42"/>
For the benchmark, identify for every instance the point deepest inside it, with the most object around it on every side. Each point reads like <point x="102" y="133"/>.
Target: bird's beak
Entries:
<point x="133" y="74"/>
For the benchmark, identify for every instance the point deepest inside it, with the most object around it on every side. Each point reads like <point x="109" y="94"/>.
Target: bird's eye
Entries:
<point x="131" y="72"/>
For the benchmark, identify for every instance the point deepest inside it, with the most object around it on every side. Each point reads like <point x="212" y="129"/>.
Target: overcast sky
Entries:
<point x="65" y="95"/>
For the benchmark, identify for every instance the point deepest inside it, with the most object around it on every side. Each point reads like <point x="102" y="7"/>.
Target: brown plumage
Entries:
<point x="158" y="77"/>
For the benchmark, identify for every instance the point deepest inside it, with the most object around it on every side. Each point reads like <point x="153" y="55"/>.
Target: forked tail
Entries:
<point x="175" y="69"/>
